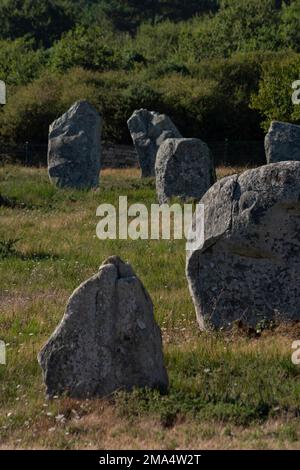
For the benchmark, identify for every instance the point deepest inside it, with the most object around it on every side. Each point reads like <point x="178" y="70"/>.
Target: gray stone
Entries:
<point x="282" y="143"/>
<point x="248" y="267"/>
<point x="148" y="130"/>
<point x="74" y="149"/>
<point x="184" y="168"/>
<point x="108" y="339"/>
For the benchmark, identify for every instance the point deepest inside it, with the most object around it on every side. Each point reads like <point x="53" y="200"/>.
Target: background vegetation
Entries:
<point x="220" y="68"/>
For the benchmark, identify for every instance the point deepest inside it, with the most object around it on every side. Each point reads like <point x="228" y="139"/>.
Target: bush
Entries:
<point x="33" y="107"/>
<point x="157" y="43"/>
<point x="45" y="21"/>
<point x="85" y="47"/>
<point x="20" y="62"/>
<point x="290" y="31"/>
<point x="239" y="26"/>
<point x="29" y="111"/>
<point x="237" y="78"/>
<point x="211" y="102"/>
<point x="274" y="97"/>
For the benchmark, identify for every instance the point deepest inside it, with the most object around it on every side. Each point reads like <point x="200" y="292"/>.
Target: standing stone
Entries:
<point x="282" y="142"/>
<point x="148" y="130"/>
<point x="108" y="339"/>
<point x="248" y="267"/>
<point x="74" y="148"/>
<point x="184" y="168"/>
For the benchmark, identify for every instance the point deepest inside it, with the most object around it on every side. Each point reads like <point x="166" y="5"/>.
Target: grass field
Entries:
<point x="227" y="390"/>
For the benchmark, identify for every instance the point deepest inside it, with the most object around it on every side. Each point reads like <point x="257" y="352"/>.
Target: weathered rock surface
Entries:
<point x="282" y="143"/>
<point x="248" y="267"/>
<point x="184" y="168"/>
<point x="148" y="130"/>
<point x="108" y="339"/>
<point x="74" y="148"/>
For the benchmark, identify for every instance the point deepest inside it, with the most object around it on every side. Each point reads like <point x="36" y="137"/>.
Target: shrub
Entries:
<point x="237" y="78"/>
<point x="20" y="62"/>
<point x="290" y="31"/>
<point x="189" y="102"/>
<point x="274" y="97"/>
<point x="43" y="20"/>
<point x="32" y="107"/>
<point x="211" y="102"/>
<point x="239" y="26"/>
<point x="157" y="43"/>
<point x="29" y="111"/>
<point x="84" y="47"/>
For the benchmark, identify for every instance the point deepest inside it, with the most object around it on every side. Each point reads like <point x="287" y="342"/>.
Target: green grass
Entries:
<point x="247" y="387"/>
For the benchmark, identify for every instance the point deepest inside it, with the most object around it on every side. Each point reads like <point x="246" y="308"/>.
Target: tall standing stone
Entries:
<point x="108" y="339"/>
<point x="184" y="168"/>
<point x="74" y="149"/>
<point x="282" y="143"/>
<point x="248" y="267"/>
<point x="148" y="130"/>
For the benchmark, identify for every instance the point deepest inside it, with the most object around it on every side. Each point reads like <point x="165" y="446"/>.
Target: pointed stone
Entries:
<point x="108" y="339"/>
<point x="74" y="148"/>
<point x="149" y="130"/>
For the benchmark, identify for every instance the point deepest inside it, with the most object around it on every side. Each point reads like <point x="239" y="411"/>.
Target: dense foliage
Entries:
<point x="220" y="68"/>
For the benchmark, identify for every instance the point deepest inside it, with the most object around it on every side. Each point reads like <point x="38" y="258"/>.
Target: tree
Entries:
<point x="290" y="28"/>
<point x="127" y="15"/>
<point x="239" y="26"/>
<point x="178" y="10"/>
<point x="44" y="20"/>
<point x="20" y="62"/>
<point x="274" y="98"/>
<point x="84" y="47"/>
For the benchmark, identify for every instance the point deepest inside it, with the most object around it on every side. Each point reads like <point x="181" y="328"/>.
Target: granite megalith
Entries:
<point x="148" y="130"/>
<point x="184" y="168"/>
<point x="247" y="268"/>
<point x="108" y="339"/>
<point x="74" y="148"/>
<point x="282" y="143"/>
